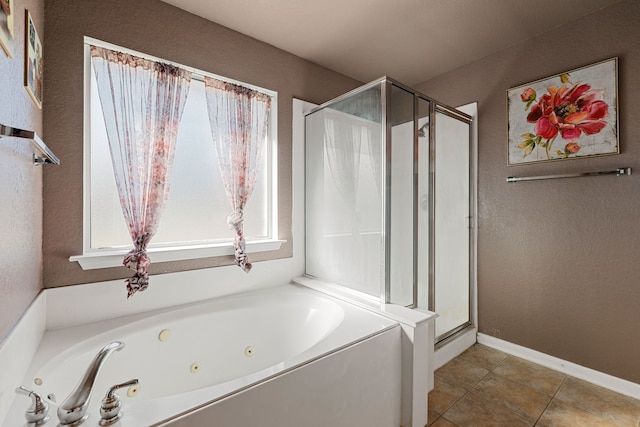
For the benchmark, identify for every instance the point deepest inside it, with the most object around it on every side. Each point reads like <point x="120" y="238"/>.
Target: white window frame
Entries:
<point x="93" y="258"/>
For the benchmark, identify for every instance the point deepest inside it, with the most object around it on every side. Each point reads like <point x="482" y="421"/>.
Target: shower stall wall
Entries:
<point x="388" y="200"/>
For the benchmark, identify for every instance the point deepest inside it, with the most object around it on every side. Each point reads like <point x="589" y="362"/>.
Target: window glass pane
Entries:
<point x="108" y="227"/>
<point x="197" y="208"/>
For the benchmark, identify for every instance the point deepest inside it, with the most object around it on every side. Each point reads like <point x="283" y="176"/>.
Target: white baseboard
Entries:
<point x="610" y="382"/>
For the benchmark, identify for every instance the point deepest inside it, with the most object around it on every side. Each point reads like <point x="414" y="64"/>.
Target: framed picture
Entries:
<point x="566" y="116"/>
<point x="33" y="71"/>
<point x="6" y="26"/>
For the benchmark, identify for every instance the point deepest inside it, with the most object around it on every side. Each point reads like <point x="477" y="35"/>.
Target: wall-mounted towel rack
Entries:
<point x="617" y="172"/>
<point x="44" y="157"/>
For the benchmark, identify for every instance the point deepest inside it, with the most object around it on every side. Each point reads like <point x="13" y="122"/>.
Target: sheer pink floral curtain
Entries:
<point x="142" y="102"/>
<point x="239" y="119"/>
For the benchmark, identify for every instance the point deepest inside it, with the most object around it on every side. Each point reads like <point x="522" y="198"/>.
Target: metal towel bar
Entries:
<point x="617" y="172"/>
<point x="45" y="157"/>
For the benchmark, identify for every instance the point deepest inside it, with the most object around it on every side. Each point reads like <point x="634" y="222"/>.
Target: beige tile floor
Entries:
<point x="485" y="387"/>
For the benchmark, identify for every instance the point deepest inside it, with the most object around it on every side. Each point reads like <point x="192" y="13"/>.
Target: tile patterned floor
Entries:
<point x="484" y="387"/>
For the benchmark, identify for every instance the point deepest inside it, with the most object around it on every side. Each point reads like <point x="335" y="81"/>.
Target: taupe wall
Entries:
<point x="159" y="29"/>
<point x="558" y="267"/>
<point x="20" y="181"/>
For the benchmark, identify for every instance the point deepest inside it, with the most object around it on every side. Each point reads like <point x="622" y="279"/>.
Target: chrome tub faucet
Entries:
<point x="73" y="410"/>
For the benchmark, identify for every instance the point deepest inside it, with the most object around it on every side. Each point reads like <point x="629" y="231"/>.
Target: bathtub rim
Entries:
<point x="400" y="314"/>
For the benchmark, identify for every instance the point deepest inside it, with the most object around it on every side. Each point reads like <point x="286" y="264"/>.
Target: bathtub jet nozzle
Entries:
<point x="73" y="410"/>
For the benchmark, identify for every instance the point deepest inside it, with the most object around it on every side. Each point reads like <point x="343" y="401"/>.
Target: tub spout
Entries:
<point x="73" y="411"/>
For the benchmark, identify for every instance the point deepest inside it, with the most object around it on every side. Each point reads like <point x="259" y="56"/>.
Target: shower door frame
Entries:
<point x="434" y="107"/>
<point x="471" y="218"/>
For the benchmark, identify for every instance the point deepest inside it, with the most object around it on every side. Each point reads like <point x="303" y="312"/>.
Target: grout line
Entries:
<point x="458" y="399"/>
<point x="566" y="377"/>
<point x="515" y="382"/>
<point x="552" y="398"/>
<point x="503" y="361"/>
<point x="485" y="398"/>
<point x="492" y="371"/>
<point x="589" y="409"/>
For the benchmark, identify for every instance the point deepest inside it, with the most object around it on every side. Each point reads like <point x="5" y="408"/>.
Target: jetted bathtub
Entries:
<point x="191" y="358"/>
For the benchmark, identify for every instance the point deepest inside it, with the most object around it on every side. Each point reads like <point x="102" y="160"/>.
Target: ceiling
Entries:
<point x="408" y="40"/>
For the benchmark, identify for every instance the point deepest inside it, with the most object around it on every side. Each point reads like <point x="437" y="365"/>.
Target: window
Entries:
<point x="194" y="222"/>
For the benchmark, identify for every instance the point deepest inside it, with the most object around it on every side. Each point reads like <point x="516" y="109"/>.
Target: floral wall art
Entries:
<point x="33" y="64"/>
<point x="566" y="116"/>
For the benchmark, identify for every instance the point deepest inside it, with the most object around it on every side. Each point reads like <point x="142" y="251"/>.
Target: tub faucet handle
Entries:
<point x="73" y="410"/>
<point x="37" y="413"/>
<point x="110" y="409"/>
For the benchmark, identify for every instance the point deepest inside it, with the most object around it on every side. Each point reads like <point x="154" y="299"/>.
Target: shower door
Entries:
<point x="450" y="251"/>
<point x="429" y="208"/>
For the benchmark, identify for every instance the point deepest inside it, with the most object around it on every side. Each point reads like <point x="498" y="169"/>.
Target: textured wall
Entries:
<point x="158" y="29"/>
<point x="557" y="259"/>
<point x="20" y="181"/>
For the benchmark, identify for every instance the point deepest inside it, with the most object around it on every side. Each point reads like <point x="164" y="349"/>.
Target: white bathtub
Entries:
<point x="217" y="350"/>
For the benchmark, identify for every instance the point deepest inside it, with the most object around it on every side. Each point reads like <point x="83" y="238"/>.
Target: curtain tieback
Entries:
<point x="235" y="221"/>
<point x="138" y="261"/>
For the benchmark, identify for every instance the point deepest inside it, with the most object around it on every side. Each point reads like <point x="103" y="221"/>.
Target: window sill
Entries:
<point x="106" y="259"/>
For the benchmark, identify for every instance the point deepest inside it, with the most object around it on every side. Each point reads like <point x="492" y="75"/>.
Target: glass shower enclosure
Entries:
<point x="388" y="200"/>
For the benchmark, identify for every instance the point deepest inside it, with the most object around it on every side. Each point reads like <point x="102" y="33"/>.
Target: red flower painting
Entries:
<point x="567" y="110"/>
